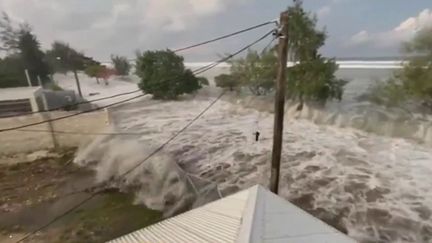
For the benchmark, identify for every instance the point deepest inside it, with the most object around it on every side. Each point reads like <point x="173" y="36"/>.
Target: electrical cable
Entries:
<point x="214" y="64"/>
<point x="71" y="105"/>
<point x="142" y="162"/>
<point x="225" y="36"/>
<point x="71" y="115"/>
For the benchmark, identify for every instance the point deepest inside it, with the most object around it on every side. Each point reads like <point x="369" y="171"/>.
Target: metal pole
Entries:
<point x="279" y="103"/>
<point x="28" y="78"/>
<point x="39" y="81"/>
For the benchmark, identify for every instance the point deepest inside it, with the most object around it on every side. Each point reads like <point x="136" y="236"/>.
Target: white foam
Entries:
<point x="376" y="187"/>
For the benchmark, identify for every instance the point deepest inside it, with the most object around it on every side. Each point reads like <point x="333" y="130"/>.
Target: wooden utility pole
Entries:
<point x="279" y="102"/>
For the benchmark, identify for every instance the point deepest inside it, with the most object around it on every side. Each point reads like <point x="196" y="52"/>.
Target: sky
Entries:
<point x="99" y="28"/>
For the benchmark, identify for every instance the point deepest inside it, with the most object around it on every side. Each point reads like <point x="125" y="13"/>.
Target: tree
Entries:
<point x="163" y="75"/>
<point x="33" y="58"/>
<point x="257" y="71"/>
<point x="313" y="76"/>
<point x="64" y="58"/>
<point x="20" y="42"/>
<point x="226" y="81"/>
<point x="121" y="65"/>
<point x="11" y="72"/>
<point x="203" y="81"/>
<point x="412" y="84"/>
<point x="94" y="71"/>
<point x="9" y="35"/>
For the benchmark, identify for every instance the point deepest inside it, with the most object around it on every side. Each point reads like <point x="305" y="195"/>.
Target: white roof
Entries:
<point x="253" y="215"/>
<point x="18" y="93"/>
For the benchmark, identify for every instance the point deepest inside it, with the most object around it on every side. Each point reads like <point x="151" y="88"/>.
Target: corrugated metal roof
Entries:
<point x="218" y="221"/>
<point x="253" y="215"/>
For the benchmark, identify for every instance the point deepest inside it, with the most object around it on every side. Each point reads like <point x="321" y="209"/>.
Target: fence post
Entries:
<point x="47" y="117"/>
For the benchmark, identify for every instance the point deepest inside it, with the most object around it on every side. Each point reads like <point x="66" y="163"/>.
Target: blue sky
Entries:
<point x="365" y="28"/>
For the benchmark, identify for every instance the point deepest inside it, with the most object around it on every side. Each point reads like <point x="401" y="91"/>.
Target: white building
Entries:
<point x="20" y="100"/>
<point x="254" y="215"/>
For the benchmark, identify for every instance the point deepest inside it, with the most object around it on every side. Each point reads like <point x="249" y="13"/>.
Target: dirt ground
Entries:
<point x="33" y="193"/>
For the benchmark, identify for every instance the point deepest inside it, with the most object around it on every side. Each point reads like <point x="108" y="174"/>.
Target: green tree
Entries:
<point x="163" y="75"/>
<point x="121" y="65"/>
<point x="313" y="76"/>
<point x="203" y="81"/>
<point x="33" y="58"/>
<point x="95" y="71"/>
<point x="257" y="71"/>
<point x="9" y="35"/>
<point x="64" y="58"/>
<point x="11" y="72"/>
<point x="413" y="83"/>
<point x="226" y="81"/>
<point x="20" y="42"/>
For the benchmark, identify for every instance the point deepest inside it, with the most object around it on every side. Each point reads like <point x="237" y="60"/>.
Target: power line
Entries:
<point x="71" y="105"/>
<point x="83" y="133"/>
<point x="176" y="50"/>
<point x="72" y="115"/>
<point x="58" y="217"/>
<point x="196" y="72"/>
<point x="214" y="64"/>
<point x="225" y="36"/>
<point x="147" y="158"/>
<point x="175" y="136"/>
<point x="124" y="174"/>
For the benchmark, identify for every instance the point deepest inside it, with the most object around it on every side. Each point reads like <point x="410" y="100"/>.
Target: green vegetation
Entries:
<point x="64" y="58"/>
<point x="114" y="216"/>
<point x="312" y="79"/>
<point x="95" y="71"/>
<point x="121" y="65"/>
<point x="412" y="84"/>
<point x="163" y="75"/>
<point x="203" y="81"/>
<point x="226" y="81"/>
<point x="23" y="52"/>
<point x="257" y="71"/>
<point x="12" y="72"/>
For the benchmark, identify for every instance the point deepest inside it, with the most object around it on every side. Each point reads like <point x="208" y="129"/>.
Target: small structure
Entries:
<point x="255" y="215"/>
<point x="19" y="100"/>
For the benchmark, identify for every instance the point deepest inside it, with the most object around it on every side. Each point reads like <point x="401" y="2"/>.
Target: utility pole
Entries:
<point x="279" y="102"/>
<point x="28" y="77"/>
<point x="77" y="82"/>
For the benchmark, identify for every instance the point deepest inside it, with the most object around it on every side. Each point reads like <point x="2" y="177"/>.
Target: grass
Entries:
<point x="113" y="216"/>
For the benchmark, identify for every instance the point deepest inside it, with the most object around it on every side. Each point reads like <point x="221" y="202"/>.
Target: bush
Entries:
<point x="226" y="81"/>
<point x="314" y="81"/>
<point x="203" y="81"/>
<point x="163" y="75"/>
<point x="121" y="65"/>
<point x="412" y="84"/>
<point x="256" y="71"/>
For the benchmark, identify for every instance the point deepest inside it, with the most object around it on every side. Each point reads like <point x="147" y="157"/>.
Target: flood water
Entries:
<point x="362" y="168"/>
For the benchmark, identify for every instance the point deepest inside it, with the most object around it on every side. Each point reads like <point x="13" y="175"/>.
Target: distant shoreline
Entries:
<point x="347" y="64"/>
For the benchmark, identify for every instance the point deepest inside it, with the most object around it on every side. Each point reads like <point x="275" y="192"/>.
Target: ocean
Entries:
<point x="362" y="168"/>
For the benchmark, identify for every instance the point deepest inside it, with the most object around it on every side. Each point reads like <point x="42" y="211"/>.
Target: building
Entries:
<point x="254" y="215"/>
<point x="20" y="100"/>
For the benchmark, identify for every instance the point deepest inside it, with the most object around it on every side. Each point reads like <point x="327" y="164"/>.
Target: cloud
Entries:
<point x="323" y="11"/>
<point x="102" y="27"/>
<point x="394" y="37"/>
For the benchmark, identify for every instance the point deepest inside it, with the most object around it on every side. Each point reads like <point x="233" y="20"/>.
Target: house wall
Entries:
<point x="28" y="140"/>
